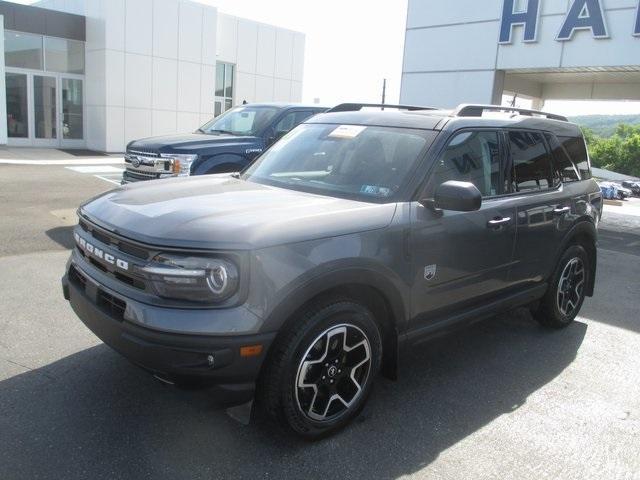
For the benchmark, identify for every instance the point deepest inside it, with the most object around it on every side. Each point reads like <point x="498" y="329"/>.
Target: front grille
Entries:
<point x="77" y="278"/>
<point x="147" y="152"/>
<point x="114" y="241"/>
<point x="111" y="305"/>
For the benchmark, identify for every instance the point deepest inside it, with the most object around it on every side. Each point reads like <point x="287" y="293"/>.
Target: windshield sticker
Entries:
<point x="347" y="131"/>
<point x="375" y="190"/>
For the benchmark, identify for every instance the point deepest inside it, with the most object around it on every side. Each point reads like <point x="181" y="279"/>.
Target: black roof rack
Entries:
<point x="477" y="111"/>
<point x="355" y="107"/>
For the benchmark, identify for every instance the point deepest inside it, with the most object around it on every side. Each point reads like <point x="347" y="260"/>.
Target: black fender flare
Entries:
<point x="583" y="228"/>
<point x="338" y="280"/>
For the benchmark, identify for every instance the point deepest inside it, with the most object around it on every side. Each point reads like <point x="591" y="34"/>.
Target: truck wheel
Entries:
<point x="565" y="295"/>
<point x="320" y="373"/>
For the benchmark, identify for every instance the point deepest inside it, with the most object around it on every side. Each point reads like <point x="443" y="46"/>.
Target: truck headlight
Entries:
<point x="198" y="279"/>
<point x="180" y="164"/>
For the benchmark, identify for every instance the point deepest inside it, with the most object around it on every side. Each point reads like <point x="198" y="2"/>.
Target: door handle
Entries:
<point x="498" y="222"/>
<point x="562" y="210"/>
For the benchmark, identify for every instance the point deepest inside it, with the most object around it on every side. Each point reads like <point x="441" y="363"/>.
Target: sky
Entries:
<point x="352" y="45"/>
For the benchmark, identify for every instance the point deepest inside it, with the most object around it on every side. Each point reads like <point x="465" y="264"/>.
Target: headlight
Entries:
<point x="198" y="279"/>
<point x="180" y="164"/>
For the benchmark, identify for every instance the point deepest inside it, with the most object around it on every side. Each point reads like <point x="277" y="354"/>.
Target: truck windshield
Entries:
<point x="244" y="120"/>
<point x="351" y="161"/>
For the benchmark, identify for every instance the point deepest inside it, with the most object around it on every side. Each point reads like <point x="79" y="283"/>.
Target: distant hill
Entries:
<point x="605" y="125"/>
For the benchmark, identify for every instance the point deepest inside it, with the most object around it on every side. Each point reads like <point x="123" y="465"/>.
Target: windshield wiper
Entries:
<point x="200" y="130"/>
<point x="229" y="132"/>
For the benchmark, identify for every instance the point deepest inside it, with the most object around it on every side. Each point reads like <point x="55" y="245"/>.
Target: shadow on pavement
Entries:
<point x="93" y="415"/>
<point x="63" y="236"/>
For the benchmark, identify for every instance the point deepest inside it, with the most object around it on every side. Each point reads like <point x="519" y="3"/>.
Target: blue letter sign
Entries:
<point x="528" y="18"/>
<point x="584" y="15"/>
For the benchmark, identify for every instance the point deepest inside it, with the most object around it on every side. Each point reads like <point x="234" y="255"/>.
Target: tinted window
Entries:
<point x="577" y="150"/>
<point x="532" y="166"/>
<point x="23" y="50"/>
<point x="292" y="119"/>
<point x="366" y="163"/>
<point x="565" y="167"/>
<point x="61" y="55"/>
<point x="471" y="157"/>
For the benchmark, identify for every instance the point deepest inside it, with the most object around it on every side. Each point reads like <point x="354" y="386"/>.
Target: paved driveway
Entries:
<point x="503" y="399"/>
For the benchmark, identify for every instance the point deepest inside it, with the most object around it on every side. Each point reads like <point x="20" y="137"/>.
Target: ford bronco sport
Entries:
<point x="360" y="233"/>
<point x="227" y="143"/>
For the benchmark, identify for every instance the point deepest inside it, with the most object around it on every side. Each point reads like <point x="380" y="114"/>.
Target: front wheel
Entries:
<point x="321" y="372"/>
<point x="566" y="293"/>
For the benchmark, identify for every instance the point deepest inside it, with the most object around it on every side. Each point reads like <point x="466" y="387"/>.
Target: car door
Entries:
<point x="459" y="258"/>
<point x="543" y="206"/>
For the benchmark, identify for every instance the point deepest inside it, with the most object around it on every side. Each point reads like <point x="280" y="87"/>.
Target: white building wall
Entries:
<point x="150" y="65"/>
<point x="3" y="88"/>
<point x="269" y="60"/>
<point x="452" y="51"/>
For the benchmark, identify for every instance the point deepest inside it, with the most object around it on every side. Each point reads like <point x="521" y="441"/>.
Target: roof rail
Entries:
<point x="355" y="107"/>
<point x="467" y="110"/>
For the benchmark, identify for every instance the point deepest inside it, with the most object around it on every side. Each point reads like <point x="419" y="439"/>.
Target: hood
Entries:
<point x="188" y="141"/>
<point x="222" y="212"/>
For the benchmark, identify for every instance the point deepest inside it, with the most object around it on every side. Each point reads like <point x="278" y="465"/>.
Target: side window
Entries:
<point x="565" y="167"/>
<point x="532" y="165"/>
<point x="291" y="120"/>
<point x="577" y="150"/>
<point x="471" y="157"/>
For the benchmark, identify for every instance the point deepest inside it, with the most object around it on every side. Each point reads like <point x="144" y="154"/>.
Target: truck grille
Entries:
<point x="110" y="304"/>
<point x="114" y="241"/>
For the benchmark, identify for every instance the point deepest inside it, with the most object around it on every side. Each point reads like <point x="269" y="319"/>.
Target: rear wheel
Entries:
<point x="566" y="293"/>
<point x="321" y="372"/>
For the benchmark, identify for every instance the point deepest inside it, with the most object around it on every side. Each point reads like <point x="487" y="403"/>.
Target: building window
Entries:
<point x="224" y="87"/>
<point x="64" y="56"/>
<point x="35" y="52"/>
<point x="23" y="50"/>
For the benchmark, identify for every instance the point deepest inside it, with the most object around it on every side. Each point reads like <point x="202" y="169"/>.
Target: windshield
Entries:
<point x="244" y="120"/>
<point x="360" y="162"/>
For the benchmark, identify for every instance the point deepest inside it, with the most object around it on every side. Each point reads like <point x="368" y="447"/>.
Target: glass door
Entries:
<point x="72" y="112"/>
<point x="17" y="93"/>
<point x="45" y="111"/>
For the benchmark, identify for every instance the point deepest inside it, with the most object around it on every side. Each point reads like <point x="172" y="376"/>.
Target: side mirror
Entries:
<point x="456" y="196"/>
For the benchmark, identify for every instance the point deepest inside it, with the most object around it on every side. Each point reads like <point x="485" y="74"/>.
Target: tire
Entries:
<point x="565" y="295"/>
<point x="334" y="348"/>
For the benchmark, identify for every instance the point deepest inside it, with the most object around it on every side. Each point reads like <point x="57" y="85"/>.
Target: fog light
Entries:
<point x="211" y="360"/>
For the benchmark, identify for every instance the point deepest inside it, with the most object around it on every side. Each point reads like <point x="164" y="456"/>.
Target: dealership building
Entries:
<point x="467" y="51"/>
<point x="98" y="73"/>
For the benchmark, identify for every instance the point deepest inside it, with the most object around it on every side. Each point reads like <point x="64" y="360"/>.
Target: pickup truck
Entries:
<point x="227" y="143"/>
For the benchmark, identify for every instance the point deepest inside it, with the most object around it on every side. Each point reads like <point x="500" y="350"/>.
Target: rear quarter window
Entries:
<point x="577" y="150"/>
<point x="532" y="164"/>
<point x="566" y="168"/>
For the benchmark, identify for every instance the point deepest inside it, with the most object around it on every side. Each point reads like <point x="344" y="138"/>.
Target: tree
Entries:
<point x="619" y="153"/>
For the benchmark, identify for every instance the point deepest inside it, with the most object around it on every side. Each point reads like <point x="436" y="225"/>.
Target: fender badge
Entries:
<point x="430" y="272"/>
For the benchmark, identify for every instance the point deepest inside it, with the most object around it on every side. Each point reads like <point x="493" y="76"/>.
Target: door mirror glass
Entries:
<point x="457" y="196"/>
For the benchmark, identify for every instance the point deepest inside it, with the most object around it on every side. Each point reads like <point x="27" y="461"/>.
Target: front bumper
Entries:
<point x="173" y="357"/>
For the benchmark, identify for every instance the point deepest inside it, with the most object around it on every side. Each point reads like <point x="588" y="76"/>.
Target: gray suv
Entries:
<point x="360" y="233"/>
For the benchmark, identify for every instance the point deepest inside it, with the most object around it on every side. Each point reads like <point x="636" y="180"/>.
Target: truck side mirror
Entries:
<point x="455" y="196"/>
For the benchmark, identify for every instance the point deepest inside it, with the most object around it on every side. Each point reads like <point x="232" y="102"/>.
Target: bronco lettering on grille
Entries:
<point x="96" y="252"/>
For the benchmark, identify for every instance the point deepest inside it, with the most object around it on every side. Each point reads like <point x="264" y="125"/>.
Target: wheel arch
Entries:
<point x="584" y="234"/>
<point x="214" y="163"/>
<point x="367" y="287"/>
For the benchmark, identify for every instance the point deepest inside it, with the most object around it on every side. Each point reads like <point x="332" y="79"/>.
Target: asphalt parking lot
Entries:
<point x="503" y="399"/>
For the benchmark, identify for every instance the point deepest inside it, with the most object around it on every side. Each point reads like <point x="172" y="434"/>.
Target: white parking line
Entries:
<point x="106" y="173"/>
<point x="85" y="161"/>
<point x="96" y="169"/>
<point x="108" y="180"/>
